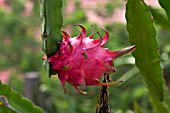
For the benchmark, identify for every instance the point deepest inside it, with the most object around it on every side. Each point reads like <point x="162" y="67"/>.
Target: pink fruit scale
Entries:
<point x="81" y="61"/>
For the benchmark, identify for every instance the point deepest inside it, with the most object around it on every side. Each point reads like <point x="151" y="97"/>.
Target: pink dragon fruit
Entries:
<point x="81" y="61"/>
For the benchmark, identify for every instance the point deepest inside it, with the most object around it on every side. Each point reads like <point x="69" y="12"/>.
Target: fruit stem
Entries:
<point x="103" y="105"/>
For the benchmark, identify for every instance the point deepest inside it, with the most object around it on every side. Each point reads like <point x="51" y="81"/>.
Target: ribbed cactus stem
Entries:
<point x="51" y="23"/>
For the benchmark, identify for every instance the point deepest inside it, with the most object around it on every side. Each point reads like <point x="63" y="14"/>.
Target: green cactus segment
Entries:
<point x="13" y="102"/>
<point x="165" y="4"/>
<point x="52" y="20"/>
<point x="142" y="34"/>
<point x="51" y="23"/>
<point x="160" y="17"/>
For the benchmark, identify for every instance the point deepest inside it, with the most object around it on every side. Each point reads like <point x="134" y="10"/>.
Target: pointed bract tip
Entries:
<point x="65" y="90"/>
<point x="80" y="37"/>
<point x="106" y="36"/>
<point x="124" y="51"/>
<point x="79" y="31"/>
<point x="103" y="28"/>
<point x="91" y="36"/>
<point x="78" y="25"/>
<point x="99" y="34"/>
<point x="110" y="84"/>
<point x="107" y="33"/>
<point x="83" y="92"/>
<point x="82" y="28"/>
<point x="131" y="48"/>
<point x="44" y="57"/>
<point x="65" y="34"/>
<point x="100" y="38"/>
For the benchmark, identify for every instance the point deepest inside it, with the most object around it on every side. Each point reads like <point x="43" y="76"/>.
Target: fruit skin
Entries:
<point x="81" y="61"/>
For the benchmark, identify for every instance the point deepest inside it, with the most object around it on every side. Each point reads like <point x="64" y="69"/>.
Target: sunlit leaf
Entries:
<point x="142" y="34"/>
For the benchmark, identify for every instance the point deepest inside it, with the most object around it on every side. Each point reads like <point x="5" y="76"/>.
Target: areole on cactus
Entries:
<point x="81" y="61"/>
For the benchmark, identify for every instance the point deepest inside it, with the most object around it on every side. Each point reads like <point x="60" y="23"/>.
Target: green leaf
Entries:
<point x="165" y="4"/>
<point x="11" y="102"/>
<point x="160" y="17"/>
<point x="51" y="23"/>
<point x="142" y="34"/>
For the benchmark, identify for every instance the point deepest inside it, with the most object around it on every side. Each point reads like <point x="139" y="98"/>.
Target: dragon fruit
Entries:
<point x="81" y="61"/>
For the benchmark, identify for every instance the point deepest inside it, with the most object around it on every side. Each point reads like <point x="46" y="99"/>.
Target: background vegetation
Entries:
<point x="20" y="52"/>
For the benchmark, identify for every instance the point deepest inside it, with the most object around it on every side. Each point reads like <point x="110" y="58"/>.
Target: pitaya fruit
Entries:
<point x="81" y="61"/>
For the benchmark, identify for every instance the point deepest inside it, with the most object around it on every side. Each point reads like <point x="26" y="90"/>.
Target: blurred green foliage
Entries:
<point x="21" y="52"/>
<point x="13" y="102"/>
<point x="17" y="45"/>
